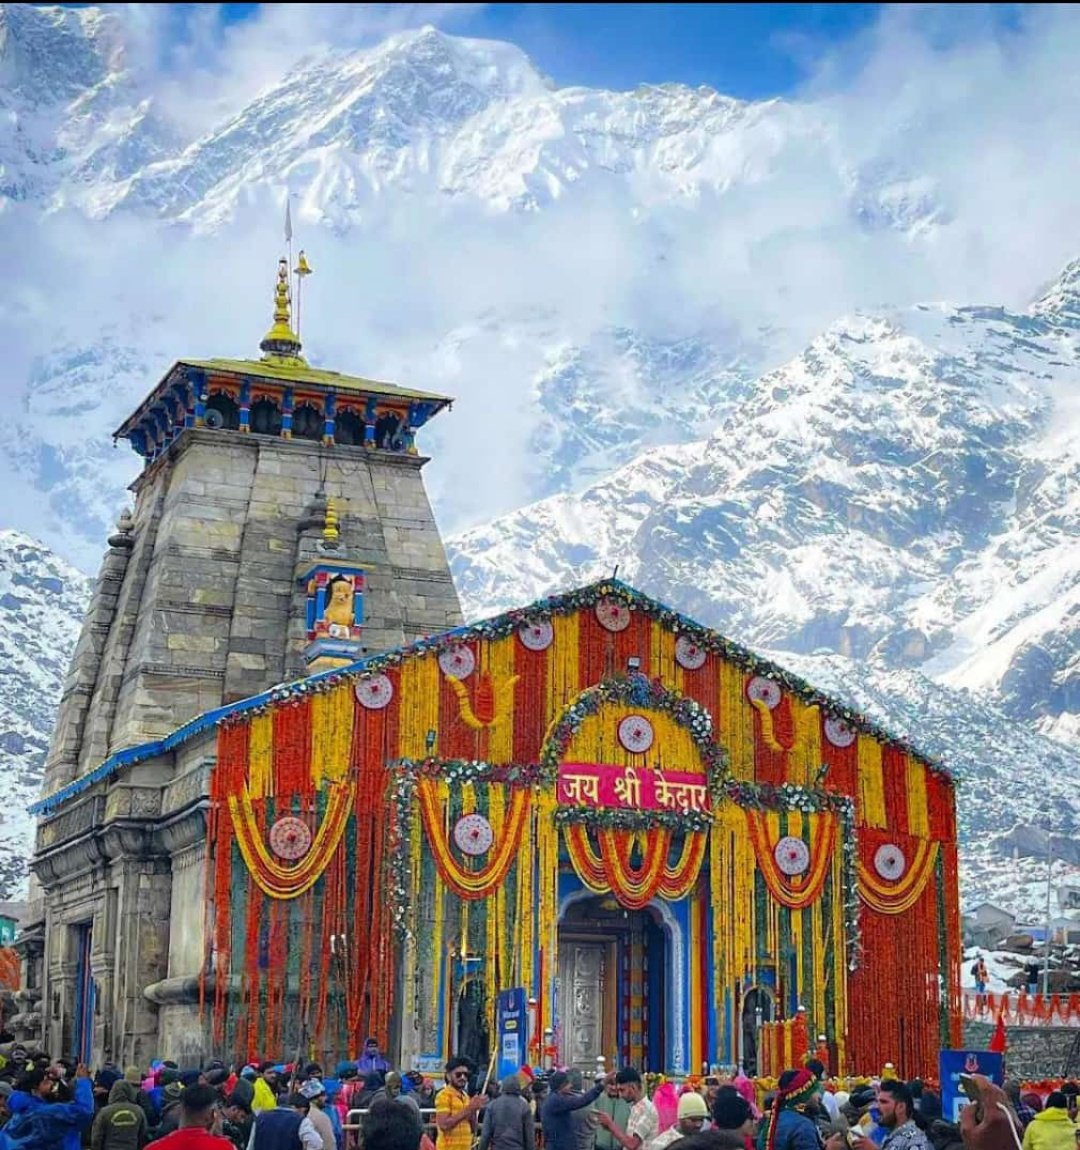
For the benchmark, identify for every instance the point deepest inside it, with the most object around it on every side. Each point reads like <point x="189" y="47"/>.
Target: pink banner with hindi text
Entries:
<point x="630" y="788"/>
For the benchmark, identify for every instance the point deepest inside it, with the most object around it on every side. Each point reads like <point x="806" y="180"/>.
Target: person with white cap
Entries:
<point x="691" y="1119"/>
<point x="314" y="1091"/>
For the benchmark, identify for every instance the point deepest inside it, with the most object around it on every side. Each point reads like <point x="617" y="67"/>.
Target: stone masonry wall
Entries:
<point x="208" y="610"/>
<point x="1034" y="1052"/>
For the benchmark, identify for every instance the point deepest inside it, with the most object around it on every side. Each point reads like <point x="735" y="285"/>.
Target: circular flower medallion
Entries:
<point x="792" y="856"/>
<point x="473" y="835"/>
<point x="688" y="654"/>
<point x="613" y="615"/>
<point x="838" y="732"/>
<point x="763" y="690"/>
<point x="889" y="862"/>
<point x="537" y="636"/>
<point x="374" y="693"/>
<point x="457" y="662"/>
<point x="290" y="838"/>
<point x="636" y="733"/>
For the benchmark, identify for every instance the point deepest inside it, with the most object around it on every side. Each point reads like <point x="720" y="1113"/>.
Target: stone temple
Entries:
<point x="203" y="598"/>
<point x="291" y="801"/>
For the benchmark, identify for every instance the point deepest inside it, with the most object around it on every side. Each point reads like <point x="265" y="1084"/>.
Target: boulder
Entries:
<point x="1020" y="943"/>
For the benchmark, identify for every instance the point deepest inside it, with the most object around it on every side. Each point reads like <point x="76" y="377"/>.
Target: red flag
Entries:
<point x="999" y="1042"/>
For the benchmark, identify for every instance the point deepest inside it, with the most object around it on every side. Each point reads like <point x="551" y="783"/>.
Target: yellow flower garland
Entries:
<point x="736" y="726"/>
<point x="918" y="811"/>
<point x="275" y="879"/>
<point x="871" y="806"/>
<point x="895" y="898"/>
<point x="767" y="734"/>
<point x="331" y="734"/>
<point x="478" y="884"/>
<point x="261" y="756"/>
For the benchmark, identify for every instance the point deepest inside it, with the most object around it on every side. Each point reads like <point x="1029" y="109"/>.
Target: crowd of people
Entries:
<point x="364" y="1104"/>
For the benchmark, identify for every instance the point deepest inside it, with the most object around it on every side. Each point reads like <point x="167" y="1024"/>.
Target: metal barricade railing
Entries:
<point x="354" y="1119"/>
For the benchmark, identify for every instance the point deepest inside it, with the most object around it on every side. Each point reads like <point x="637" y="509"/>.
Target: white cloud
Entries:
<point x="445" y="293"/>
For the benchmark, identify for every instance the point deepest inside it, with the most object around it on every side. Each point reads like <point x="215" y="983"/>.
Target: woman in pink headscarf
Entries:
<point x="746" y="1090"/>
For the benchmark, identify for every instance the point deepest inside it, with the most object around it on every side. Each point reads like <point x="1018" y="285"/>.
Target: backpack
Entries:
<point x="975" y="970"/>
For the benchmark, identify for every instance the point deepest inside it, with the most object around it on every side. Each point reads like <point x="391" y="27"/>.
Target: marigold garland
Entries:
<point x="276" y="879"/>
<point x="801" y="891"/>
<point x="494" y="704"/>
<point x="479" y="883"/>
<point x="893" y="898"/>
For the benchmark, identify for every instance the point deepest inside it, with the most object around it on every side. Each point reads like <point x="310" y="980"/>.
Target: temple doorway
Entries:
<point x="757" y="1008"/>
<point x="612" y="986"/>
<point x="473" y="1038"/>
<point x="83" y="1032"/>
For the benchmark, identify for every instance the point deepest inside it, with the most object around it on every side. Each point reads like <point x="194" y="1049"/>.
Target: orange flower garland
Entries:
<point x="611" y="871"/>
<point x="480" y="883"/>
<point x="793" y="891"/>
<point x="886" y="897"/>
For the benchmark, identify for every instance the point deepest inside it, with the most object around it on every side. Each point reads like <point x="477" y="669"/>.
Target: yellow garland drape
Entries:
<point x="331" y="734"/>
<point x="764" y="830"/>
<point x="918" y="811"/>
<point x="261" y="756"/>
<point x="871" y="806"/>
<point x="767" y="733"/>
<point x="275" y="879"/>
<point x="897" y="897"/>
<point x="467" y="884"/>
<point x="805" y="756"/>
<point x="736" y="721"/>
<point x="504" y="703"/>
<point x="493" y="912"/>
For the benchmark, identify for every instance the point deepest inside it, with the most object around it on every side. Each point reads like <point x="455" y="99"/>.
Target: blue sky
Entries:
<point x="746" y="50"/>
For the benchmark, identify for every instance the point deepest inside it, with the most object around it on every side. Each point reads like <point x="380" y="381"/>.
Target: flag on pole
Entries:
<point x="288" y="220"/>
<point x="999" y="1043"/>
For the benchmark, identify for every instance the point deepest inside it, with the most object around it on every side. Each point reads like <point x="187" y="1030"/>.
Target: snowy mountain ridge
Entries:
<point x="634" y="297"/>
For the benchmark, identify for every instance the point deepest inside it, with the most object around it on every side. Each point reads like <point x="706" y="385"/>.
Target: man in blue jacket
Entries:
<point x="560" y="1104"/>
<point x="38" y="1124"/>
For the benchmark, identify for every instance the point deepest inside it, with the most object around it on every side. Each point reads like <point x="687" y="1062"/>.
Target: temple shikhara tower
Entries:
<point x="292" y="802"/>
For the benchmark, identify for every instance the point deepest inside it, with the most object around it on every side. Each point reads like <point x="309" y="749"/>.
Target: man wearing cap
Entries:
<point x="786" y="1127"/>
<point x="558" y="1107"/>
<point x="314" y="1091"/>
<point x="691" y="1118"/>
<point x="455" y="1111"/>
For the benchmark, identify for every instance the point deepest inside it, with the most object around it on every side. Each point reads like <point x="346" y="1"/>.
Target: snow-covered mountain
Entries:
<point x="905" y="491"/>
<point x="42" y="600"/>
<point x="635" y="297"/>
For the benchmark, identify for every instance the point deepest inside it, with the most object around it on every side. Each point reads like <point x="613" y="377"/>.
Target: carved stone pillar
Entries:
<point x="142" y="883"/>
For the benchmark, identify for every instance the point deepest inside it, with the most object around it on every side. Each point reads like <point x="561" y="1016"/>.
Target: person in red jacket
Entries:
<point x="200" y="1123"/>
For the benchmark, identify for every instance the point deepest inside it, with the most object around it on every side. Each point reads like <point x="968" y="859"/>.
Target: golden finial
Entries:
<point x="330" y="523"/>
<point x="303" y="268"/>
<point x="281" y="344"/>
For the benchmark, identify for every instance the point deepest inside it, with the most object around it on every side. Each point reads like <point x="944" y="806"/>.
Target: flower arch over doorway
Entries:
<point x="634" y="766"/>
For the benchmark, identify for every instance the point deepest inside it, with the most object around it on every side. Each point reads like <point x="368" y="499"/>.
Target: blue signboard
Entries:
<point x="511" y="1029"/>
<point x="953" y="1063"/>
